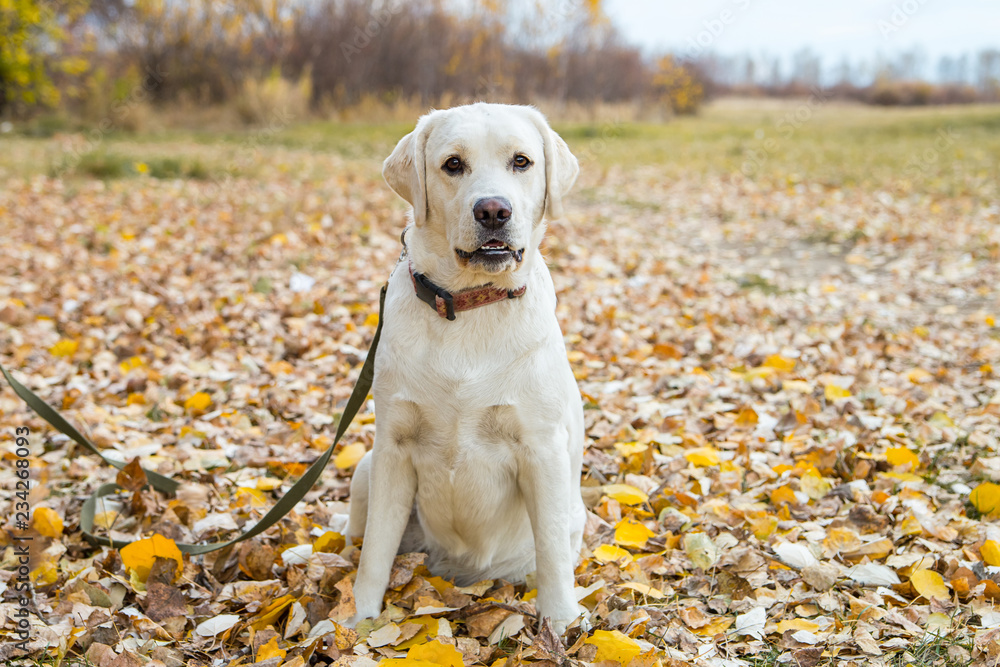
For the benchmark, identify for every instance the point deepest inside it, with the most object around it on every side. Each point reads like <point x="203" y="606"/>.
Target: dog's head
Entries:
<point x="480" y="179"/>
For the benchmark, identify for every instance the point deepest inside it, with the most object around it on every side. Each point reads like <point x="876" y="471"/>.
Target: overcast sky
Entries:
<point x="858" y="29"/>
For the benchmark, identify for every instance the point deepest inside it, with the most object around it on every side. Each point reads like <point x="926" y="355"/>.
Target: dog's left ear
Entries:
<point x="405" y="169"/>
<point x="561" y="167"/>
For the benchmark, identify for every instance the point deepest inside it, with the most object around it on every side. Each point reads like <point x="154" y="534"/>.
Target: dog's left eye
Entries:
<point x="521" y="162"/>
<point x="453" y="165"/>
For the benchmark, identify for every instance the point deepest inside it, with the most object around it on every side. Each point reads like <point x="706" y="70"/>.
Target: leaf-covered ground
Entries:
<point x="793" y="417"/>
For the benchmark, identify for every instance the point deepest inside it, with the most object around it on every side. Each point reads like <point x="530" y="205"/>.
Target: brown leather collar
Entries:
<point x="447" y="304"/>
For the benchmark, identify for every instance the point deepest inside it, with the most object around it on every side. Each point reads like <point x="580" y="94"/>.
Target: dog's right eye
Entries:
<point x="453" y="165"/>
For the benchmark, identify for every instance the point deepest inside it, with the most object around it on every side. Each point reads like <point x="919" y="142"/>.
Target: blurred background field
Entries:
<point x="206" y="90"/>
<point x="943" y="150"/>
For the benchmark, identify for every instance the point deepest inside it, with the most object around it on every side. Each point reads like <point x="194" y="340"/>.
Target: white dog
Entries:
<point x="479" y="430"/>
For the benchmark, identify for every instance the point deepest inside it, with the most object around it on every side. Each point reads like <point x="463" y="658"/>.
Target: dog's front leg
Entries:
<point x="544" y="480"/>
<point x="390" y="500"/>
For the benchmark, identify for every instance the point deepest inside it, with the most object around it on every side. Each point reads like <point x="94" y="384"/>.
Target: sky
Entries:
<point x="834" y="29"/>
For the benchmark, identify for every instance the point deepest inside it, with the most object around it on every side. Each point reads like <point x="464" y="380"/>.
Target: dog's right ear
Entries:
<point x="405" y="170"/>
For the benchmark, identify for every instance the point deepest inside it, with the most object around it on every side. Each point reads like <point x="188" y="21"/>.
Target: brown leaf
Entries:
<point x="101" y="654"/>
<point x="547" y="644"/>
<point x="866" y="520"/>
<point x="163" y="570"/>
<point x="127" y="659"/>
<point x="132" y="477"/>
<point x="163" y="601"/>
<point x="694" y="617"/>
<point x="734" y="585"/>
<point x="481" y="625"/>
<point x="807" y="657"/>
<point x="257" y="559"/>
<point x="345" y="607"/>
<point x="866" y="642"/>
<point x="403" y="567"/>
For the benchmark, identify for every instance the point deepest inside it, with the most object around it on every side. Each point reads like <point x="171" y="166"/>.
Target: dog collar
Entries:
<point x="446" y="304"/>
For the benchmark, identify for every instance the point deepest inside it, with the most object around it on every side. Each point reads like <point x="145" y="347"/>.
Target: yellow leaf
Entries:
<point x="703" y="456"/>
<point x="131" y="364"/>
<point x="938" y="624"/>
<point x="813" y="485"/>
<point x="701" y="550"/>
<point x="715" y="627"/>
<point x="609" y="553"/>
<point x="762" y="524"/>
<point x="797" y="624"/>
<point x="990" y="551"/>
<point x="198" y="402"/>
<point x="631" y="533"/>
<point x="929" y="584"/>
<point x="901" y="456"/>
<point x="783" y="494"/>
<point x="270" y="650"/>
<point x="644" y="589"/>
<point x="371" y="320"/>
<point x="139" y="556"/>
<point x="135" y="398"/>
<point x="833" y="392"/>
<point x="45" y="574"/>
<point x="64" y="348"/>
<point x="626" y="494"/>
<point x="254" y="496"/>
<point x="746" y="417"/>
<point x="941" y="420"/>
<point x="839" y="540"/>
<point x="47" y="522"/>
<point x="986" y="497"/>
<point x="349" y="456"/>
<point x="613" y="645"/>
<point x="407" y="662"/>
<point x="630" y="448"/>
<point x="780" y="363"/>
<point x="919" y="376"/>
<point x="437" y="653"/>
<point x="329" y="542"/>
<point x="267" y="483"/>
<point x="800" y="386"/>
<point x="270" y="614"/>
<point x="432" y="628"/>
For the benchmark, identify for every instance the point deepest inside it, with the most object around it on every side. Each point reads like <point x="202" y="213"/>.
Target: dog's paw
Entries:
<point x="576" y="617"/>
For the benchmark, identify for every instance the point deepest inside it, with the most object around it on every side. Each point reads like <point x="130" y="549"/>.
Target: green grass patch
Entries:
<point x="946" y="151"/>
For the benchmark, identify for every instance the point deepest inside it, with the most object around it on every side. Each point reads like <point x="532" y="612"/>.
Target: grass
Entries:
<point x="945" y="151"/>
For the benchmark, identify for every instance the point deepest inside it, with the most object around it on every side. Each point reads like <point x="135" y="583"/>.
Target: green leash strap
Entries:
<point x="169" y="486"/>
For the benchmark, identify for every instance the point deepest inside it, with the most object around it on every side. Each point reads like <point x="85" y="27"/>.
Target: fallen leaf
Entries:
<point x="140" y="555"/>
<point x="752" y="623"/>
<point x="986" y="497"/>
<point x="631" y="533"/>
<point x="701" y="550"/>
<point x="929" y="584"/>
<point x="217" y="625"/>
<point x="47" y="522"/>
<point x="625" y="494"/>
<point x="349" y="456"/>
<point x="613" y="645"/>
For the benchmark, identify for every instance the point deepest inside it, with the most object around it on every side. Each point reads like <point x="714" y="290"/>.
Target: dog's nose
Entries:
<point x="492" y="212"/>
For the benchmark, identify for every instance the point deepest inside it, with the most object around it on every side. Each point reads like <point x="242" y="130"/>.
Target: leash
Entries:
<point x="169" y="486"/>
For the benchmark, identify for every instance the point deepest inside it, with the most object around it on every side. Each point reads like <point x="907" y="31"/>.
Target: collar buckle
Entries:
<point x="429" y="293"/>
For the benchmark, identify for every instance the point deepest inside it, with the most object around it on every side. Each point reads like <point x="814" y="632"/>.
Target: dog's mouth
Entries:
<point x="491" y="253"/>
